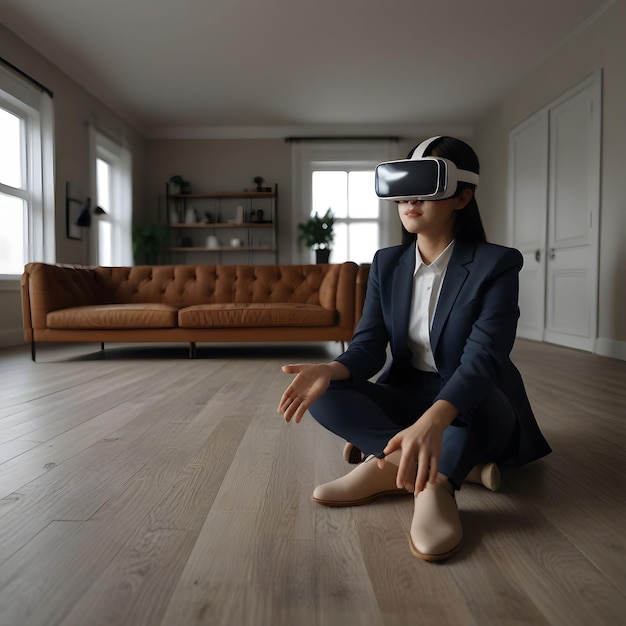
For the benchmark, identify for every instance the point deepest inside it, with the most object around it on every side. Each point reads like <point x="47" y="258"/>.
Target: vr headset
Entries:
<point x="420" y="177"/>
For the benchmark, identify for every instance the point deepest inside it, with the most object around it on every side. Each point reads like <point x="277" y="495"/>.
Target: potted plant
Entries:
<point x="259" y="180"/>
<point x="317" y="234"/>
<point x="178" y="186"/>
<point x="148" y="241"/>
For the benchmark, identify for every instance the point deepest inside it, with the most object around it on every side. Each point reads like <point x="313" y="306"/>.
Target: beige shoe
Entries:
<point x="351" y="454"/>
<point x="436" y="531"/>
<point x="364" y="483"/>
<point x="487" y="475"/>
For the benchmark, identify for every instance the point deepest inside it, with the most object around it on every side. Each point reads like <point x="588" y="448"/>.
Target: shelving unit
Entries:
<point x="193" y="218"/>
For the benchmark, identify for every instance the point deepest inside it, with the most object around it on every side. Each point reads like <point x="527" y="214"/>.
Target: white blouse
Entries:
<point x="427" y="282"/>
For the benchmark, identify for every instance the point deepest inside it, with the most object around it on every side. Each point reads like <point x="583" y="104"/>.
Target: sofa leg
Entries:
<point x="343" y="346"/>
<point x="33" y="351"/>
<point x="192" y="349"/>
<point x="102" y="345"/>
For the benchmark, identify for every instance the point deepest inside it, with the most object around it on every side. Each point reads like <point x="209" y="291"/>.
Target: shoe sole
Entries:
<point x="434" y="557"/>
<point x="381" y="494"/>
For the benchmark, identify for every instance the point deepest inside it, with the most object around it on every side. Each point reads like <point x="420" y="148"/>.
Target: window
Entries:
<point x="113" y="192"/>
<point x="340" y="176"/>
<point x="26" y="182"/>
<point x="13" y="194"/>
<point x="350" y="196"/>
<point x="103" y="193"/>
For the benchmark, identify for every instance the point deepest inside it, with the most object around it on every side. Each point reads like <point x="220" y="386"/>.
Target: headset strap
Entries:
<point x="463" y="175"/>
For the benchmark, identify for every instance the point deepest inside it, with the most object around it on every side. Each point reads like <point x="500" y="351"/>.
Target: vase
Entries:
<point x="191" y="216"/>
<point x="322" y="255"/>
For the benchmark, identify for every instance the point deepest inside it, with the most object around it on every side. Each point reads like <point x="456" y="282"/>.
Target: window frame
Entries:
<point x="347" y="168"/>
<point x="310" y="156"/>
<point x="119" y="214"/>
<point x="35" y="108"/>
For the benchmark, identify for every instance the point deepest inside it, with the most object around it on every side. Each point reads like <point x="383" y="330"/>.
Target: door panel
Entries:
<point x="528" y="198"/>
<point x="569" y="312"/>
<point x="554" y="204"/>
<point x="569" y="162"/>
<point x="573" y="216"/>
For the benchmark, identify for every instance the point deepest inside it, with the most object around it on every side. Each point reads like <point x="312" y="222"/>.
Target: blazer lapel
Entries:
<point x="456" y="275"/>
<point x="402" y="291"/>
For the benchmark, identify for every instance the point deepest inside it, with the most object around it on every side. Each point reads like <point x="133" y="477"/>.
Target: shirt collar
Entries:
<point x="439" y="264"/>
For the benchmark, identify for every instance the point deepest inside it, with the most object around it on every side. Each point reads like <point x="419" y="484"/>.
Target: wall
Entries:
<point x="221" y="165"/>
<point x="600" y="45"/>
<point x="73" y="107"/>
<point x="214" y="165"/>
<point x="230" y="165"/>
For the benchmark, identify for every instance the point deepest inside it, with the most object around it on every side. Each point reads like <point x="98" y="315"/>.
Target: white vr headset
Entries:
<point x="420" y="177"/>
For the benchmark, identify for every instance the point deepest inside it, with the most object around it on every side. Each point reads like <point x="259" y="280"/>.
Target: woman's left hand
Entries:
<point x="421" y="444"/>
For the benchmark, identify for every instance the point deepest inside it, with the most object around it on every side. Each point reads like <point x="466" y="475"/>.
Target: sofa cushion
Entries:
<point x="257" y="314"/>
<point x="108" y="316"/>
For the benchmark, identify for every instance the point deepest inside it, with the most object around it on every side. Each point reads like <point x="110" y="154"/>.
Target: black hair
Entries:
<point x="468" y="225"/>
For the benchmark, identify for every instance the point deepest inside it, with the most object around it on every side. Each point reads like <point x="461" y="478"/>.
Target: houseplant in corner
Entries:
<point x="317" y="233"/>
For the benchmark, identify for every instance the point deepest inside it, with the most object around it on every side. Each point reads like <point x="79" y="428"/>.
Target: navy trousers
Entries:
<point x="369" y="414"/>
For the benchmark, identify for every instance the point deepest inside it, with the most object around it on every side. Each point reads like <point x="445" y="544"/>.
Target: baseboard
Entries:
<point x="11" y="337"/>
<point x="611" y="348"/>
<point x="604" y="347"/>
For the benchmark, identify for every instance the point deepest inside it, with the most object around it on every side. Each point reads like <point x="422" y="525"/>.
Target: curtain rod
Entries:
<point x="28" y="77"/>
<point x="341" y="138"/>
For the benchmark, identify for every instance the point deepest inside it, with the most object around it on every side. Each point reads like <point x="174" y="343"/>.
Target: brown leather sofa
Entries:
<point x="191" y="303"/>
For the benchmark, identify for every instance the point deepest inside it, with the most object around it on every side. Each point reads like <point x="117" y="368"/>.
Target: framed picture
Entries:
<point x="72" y="211"/>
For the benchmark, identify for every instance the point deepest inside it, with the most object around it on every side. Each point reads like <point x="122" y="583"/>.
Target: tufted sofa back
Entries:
<point x="54" y="287"/>
<point x="186" y="285"/>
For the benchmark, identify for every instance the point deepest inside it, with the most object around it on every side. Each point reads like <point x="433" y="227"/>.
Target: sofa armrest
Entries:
<point x="361" y="287"/>
<point x="338" y="291"/>
<point x="27" y="321"/>
<point x="47" y="288"/>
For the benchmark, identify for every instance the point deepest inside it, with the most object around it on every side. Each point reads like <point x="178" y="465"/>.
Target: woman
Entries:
<point x="449" y="401"/>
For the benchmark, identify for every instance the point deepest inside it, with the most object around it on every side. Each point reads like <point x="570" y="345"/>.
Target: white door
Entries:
<point x="573" y="217"/>
<point x="554" y="202"/>
<point x="528" y="211"/>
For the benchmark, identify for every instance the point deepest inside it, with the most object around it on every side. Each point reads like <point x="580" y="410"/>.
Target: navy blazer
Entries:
<point x="472" y="333"/>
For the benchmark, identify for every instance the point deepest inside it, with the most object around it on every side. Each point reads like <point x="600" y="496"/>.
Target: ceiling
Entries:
<point x="258" y="67"/>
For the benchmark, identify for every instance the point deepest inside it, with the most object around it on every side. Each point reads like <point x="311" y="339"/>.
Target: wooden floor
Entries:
<point x="145" y="488"/>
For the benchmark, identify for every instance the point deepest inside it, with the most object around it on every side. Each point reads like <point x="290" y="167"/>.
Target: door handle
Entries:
<point x="538" y="255"/>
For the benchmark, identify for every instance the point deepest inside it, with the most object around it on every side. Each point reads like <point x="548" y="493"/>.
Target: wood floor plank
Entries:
<point x="495" y="599"/>
<point x="584" y="510"/>
<point x="143" y="487"/>
<point x="409" y="590"/>
<point x="31" y="587"/>
<point x="14" y="447"/>
<point x="140" y="579"/>
<point x="214" y="588"/>
<point x="76" y="489"/>
<point x="24" y="515"/>
<point x="37" y="461"/>
<point x="194" y="492"/>
<point x="563" y="584"/>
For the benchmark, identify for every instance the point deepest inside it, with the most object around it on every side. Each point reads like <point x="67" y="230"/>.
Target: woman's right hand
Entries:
<point x="310" y="383"/>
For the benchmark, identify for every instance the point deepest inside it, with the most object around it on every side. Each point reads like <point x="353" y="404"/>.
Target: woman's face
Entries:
<point x="432" y="218"/>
